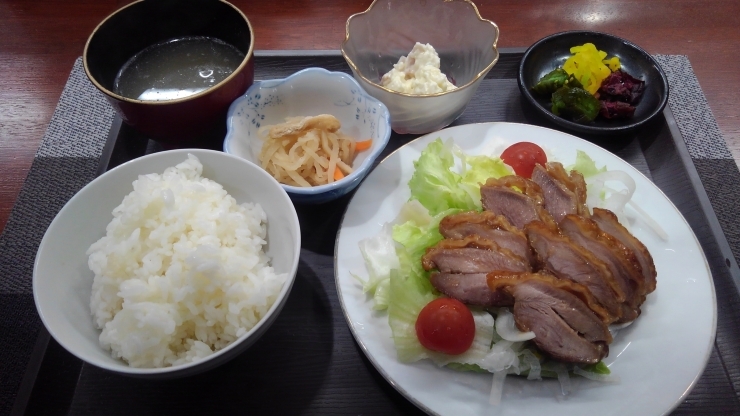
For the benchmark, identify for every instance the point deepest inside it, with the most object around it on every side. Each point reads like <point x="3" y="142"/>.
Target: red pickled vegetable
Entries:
<point x="621" y="86"/>
<point x="616" y="110"/>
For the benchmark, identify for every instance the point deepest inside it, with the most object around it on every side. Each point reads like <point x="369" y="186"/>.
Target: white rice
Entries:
<point x="181" y="272"/>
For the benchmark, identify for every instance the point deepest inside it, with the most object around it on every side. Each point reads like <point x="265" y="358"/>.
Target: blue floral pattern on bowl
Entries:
<point x="310" y="92"/>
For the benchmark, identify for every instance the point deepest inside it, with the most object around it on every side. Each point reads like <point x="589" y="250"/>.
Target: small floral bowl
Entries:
<point x="310" y="92"/>
<point x="388" y="29"/>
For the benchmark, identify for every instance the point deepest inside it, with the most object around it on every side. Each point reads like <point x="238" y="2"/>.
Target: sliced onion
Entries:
<point x="500" y="357"/>
<point x="507" y="329"/>
<point x="620" y="326"/>
<point x="616" y="199"/>
<point x="533" y="363"/>
<point x="650" y="222"/>
<point x="497" y="388"/>
<point x="614" y="329"/>
<point x="615" y="176"/>
<point x="563" y="378"/>
<point x="604" y="378"/>
<point x="535" y="369"/>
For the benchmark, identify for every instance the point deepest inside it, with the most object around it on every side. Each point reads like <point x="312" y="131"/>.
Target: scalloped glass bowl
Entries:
<point x="388" y="29"/>
<point x="310" y="92"/>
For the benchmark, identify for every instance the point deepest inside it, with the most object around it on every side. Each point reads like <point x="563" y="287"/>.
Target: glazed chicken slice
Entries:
<point x="488" y="225"/>
<point x="566" y="260"/>
<point x="536" y="309"/>
<point x="470" y="289"/>
<point x="518" y="199"/>
<point x="564" y="326"/>
<point x="473" y="254"/>
<point x="500" y="280"/>
<point x="609" y="223"/>
<point x="563" y="193"/>
<point x="620" y="260"/>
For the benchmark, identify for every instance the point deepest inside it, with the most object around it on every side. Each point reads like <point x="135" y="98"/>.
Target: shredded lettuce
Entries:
<point x="380" y="257"/>
<point x="379" y="252"/>
<point x="466" y="367"/>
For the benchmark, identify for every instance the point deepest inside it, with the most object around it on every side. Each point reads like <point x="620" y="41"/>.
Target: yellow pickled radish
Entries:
<point x="613" y="63"/>
<point x="589" y="66"/>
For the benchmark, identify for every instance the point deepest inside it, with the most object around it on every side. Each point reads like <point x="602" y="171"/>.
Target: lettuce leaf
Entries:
<point x="442" y="180"/>
<point x="585" y="165"/>
<point x="480" y="168"/>
<point x="434" y="184"/>
<point x="416" y="238"/>
<point x="409" y="291"/>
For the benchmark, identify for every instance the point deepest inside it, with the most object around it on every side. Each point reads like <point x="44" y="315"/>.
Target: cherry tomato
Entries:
<point x="446" y="325"/>
<point x="523" y="156"/>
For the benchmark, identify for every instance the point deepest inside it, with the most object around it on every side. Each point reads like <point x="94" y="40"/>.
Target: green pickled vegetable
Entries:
<point x="576" y="104"/>
<point x="555" y="80"/>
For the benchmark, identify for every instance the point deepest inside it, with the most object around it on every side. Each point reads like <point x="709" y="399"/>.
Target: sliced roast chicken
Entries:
<point x="462" y="265"/>
<point x="487" y="225"/>
<point x="562" y="193"/>
<point x="518" y="199"/>
<point x="472" y="254"/>
<point x="565" y="272"/>
<point x="609" y="223"/>
<point x="559" y="255"/>
<point x="621" y="261"/>
<point x="557" y="312"/>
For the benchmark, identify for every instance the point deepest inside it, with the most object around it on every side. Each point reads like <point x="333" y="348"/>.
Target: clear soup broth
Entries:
<point x="176" y="69"/>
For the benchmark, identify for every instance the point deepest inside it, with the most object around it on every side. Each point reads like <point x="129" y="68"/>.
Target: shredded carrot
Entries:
<point x="363" y="145"/>
<point x="338" y="174"/>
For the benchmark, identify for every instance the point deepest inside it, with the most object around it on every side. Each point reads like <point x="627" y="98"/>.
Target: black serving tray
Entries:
<point x="308" y="361"/>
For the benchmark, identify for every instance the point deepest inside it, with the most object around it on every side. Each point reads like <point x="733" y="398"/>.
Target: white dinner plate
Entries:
<point x="658" y="359"/>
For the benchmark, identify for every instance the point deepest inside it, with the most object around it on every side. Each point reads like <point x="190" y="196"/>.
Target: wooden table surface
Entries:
<point x="40" y="40"/>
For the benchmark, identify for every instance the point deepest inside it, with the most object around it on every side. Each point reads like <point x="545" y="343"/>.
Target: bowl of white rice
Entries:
<point x="168" y="265"/>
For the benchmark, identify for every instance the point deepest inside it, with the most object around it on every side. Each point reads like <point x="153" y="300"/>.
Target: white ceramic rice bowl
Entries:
<point x="62" y="281"/>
